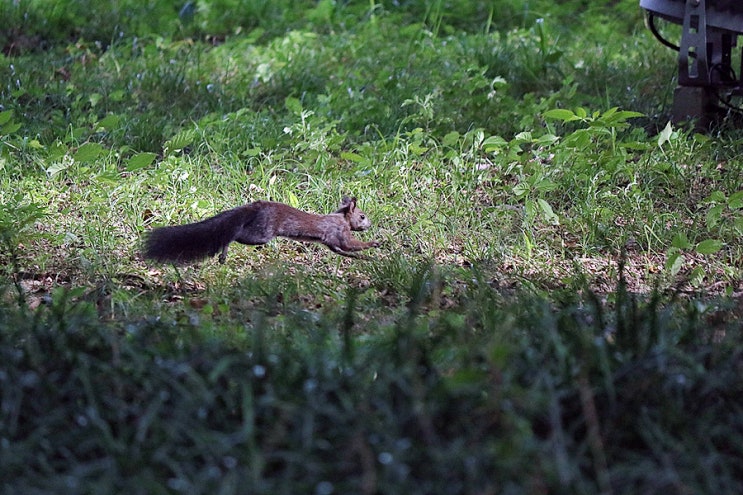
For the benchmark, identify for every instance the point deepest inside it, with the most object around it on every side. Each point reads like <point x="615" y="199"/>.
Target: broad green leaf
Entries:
<point x="530" y="208"/>
<point x="665" y="135"/>
<point x="11" y="127"/>
<point x="417" y="149"/>
<point x="628" y="114"/>
<point x="521" y="189"/>
<point x="109" y="122"/>
<point x="57" y="167"/>
<point x="547" y="211"/>
<point x="56" y="151"/>
<point x="738" y="225"/>
<point x="614" y="116"/>
<point x="5" y="117"/>
<point x="580" y="139"/>
<point x="717" y="197"/>
<point x="109" y="176"/>
<point x="88" y="152"/>
<point x="697" y="276"/>
<point x="636" y="145"/>
<point x="553" y="57"/>
<point x="561" y="114"/>
<point x="546" y="185"/>
<point x="545" y="207"/>
<point x="78" y="132"/>
<point x="180" y="140"/>
<point x="478" y="136"/>
<point x="323" y="12"/>
<point x="610" y="112"/>
<point x="293" y="200"/>
<point x="713" y="216"/>
<point x="735" y="201"/>
<point x="547" y="139"/>
<point x="450" y="139"/>
<point x="117" y="95"/>
<point x="494" y="143"/>
<point x="94" y="99"/>
<point x="293" y="105"/>
<point x="139" y="161"/>
<point x="466" y="379"/>
<point x="674" y="263"/>
<point x="709" y="246"/>
<point x="680" y="241"/>
<point x="352" y="157"/>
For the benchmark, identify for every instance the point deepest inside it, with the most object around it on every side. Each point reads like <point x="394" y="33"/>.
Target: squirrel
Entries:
<point x="257" y="223"/>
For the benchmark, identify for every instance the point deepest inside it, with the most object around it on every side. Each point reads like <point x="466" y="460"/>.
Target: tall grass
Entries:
<point x="497" y="394"/>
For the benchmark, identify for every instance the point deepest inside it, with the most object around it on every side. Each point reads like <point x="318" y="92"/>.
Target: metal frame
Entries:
<point x="710" y="30"/>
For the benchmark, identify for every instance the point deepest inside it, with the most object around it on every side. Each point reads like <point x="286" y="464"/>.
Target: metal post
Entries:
<point x="693" y="56"/>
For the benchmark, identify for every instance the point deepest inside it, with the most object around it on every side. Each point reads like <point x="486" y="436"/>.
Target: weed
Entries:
<point x="487" y="348"/>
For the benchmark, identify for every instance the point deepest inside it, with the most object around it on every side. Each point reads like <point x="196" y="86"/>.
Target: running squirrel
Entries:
<point x="257" y="223"/>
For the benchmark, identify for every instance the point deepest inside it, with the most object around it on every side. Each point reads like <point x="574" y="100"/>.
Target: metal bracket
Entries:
<point x="693" y="57"/>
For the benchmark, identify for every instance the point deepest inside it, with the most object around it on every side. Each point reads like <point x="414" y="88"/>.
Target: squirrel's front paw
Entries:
<point x="374" y="244"/>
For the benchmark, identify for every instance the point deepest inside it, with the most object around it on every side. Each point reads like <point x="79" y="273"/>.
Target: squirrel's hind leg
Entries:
<point x="249" y="239"/>
<point x="254" y="237"/>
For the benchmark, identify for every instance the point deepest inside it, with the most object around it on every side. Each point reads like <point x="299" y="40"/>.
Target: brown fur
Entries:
<point x="257" y="223"/>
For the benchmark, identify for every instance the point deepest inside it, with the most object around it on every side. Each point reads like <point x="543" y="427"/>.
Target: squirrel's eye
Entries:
<point x="363" y="217"/>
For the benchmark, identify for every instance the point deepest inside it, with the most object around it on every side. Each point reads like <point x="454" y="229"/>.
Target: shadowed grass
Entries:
<point x="493" y="394"/>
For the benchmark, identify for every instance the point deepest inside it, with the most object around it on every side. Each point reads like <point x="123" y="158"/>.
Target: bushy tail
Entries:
<point x="194" y="241"/>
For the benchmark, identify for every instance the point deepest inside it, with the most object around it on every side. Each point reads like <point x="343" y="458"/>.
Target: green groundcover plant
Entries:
<point x="555" y="306"/>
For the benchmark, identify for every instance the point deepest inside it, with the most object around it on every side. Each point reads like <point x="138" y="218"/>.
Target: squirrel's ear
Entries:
<point x="347" y="204"/>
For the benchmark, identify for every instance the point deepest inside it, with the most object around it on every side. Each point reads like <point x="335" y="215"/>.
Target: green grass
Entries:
<point x="554" y="308"/>
<point x="508" y="397"/>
